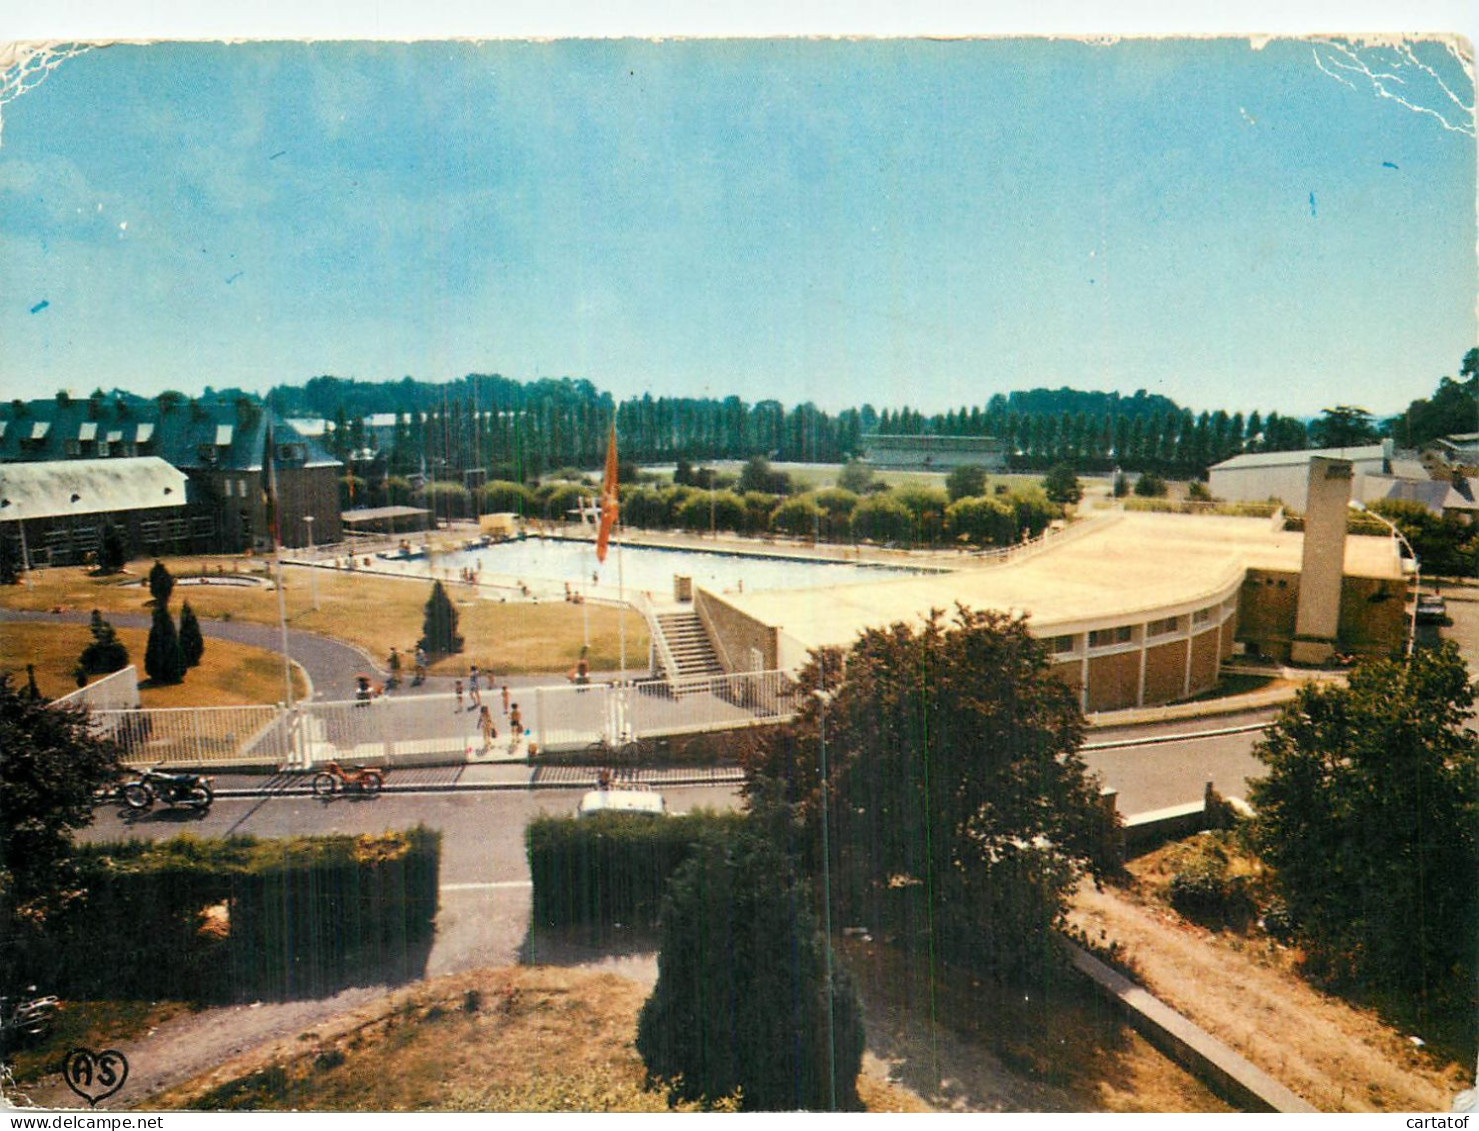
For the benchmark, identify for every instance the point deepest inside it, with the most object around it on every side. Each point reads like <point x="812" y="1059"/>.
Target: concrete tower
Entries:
<point x="1317" y="619"/>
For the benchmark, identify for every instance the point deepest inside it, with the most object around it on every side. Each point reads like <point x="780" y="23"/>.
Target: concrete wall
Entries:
<point x="734" y="634"/>
<point x="1373" y="614"/>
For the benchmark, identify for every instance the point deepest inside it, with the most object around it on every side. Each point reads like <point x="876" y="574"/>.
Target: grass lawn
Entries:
<point x="228" y="674"/>
<point x="522" y="1039"/>
<point x="373" y="612"/>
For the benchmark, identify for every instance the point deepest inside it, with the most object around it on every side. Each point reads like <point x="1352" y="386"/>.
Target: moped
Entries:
<point x="333" y="779"/>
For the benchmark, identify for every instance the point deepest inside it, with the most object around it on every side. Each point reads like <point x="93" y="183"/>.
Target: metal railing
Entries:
<point x="438" y="729"/>
<point x="197" y="736"/>
<point x="117" y="692"/>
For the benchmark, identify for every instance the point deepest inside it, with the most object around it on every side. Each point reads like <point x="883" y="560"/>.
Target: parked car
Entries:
<point x="1432" y="609"/>
<point x="640" y="802"/>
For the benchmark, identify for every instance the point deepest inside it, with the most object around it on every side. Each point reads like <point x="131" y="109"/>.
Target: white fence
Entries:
<point x="437" y="729"/>
<point x="197" y="736"/>
<point x="118" y="691"/>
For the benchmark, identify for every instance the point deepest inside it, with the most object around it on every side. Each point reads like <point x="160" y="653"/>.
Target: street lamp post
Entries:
<point x="1417" y="573"/>
<point x="312" y="569"/>
<point x="823" y="698"/>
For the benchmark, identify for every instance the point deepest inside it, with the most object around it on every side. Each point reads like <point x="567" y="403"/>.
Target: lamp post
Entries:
<point x="823" y="698"/>
<point x="312" y="569"/>
<point x="1417" y="573"/>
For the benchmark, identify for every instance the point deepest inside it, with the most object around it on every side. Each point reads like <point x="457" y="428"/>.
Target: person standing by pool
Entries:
<point x="485" y="724"/>
<point x="457" y="687"/>
<point x="516" y="725"/>
<point x="475" y="688"/>
<point x="505" y="698"/>
<point x="420" y="664"/>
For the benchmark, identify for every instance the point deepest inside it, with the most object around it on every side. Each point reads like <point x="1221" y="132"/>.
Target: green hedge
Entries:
<point x="613" y="867"/>
<point x="219" y="919"/>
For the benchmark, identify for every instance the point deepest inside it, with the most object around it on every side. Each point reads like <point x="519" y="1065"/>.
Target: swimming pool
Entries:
<point x="548" y="563"/>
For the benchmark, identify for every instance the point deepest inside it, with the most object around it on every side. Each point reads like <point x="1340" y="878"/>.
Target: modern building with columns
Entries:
<point x="1138" y="608"/>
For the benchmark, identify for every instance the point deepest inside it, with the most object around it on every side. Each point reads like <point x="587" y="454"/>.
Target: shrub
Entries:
<point x="447" y="500"/>
<point x="612" y="867"/>
<point x="439" y="624"/>
<point x="758" y="475"/>
<point x="1150" y="486"/>
<point x="192" y="643"/>
<point x="1204" y="889"/>
<point x="882" y="518"/>
<point x="161" y="583"/>
<point x="1061" y="485"/>
<point x="106" y="653"/>
<point x="112" y="552"/>
<point x="965" y="481"/>
<point x="502" y="495"/>
<point x="798" y="515"/>
<point x="927" y="506"/>
<point x="743" y="1004"/>
<point x="717" y="510"/>
<point x="855" y="477"/>
<point x="982" y="520"/>
<point x="163" y="661"/>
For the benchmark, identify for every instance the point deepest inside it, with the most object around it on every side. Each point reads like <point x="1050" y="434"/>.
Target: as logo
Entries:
<point x="95" y="1075"/>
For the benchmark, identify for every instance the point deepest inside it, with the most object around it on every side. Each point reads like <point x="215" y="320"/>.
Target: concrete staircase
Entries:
<point x="688" y="644"/>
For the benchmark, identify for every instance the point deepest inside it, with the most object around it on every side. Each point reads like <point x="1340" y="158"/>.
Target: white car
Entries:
<point x="643" y="802"/>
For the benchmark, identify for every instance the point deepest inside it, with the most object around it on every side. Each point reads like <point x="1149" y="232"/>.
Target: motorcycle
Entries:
<point x="26" y="1017"/>
<point x="192" y="790"/>
<point x="334" y="779"/>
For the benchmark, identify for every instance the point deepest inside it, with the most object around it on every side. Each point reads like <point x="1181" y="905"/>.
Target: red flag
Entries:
<point x="610" y="499"/>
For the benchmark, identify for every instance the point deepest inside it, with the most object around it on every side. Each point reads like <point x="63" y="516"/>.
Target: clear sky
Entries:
<point x="891" y="221"/>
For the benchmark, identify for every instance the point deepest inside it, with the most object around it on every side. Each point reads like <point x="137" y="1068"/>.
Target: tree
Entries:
<point x="1343" y="426"/>
<point x="192" y="643"/>
<point x="1121" y="485"/>
<point x="9" y="563"/>
<point x="439" y="624"/>
<point x="882" y="518"/>
<point x="982" y="520"/>
<point x="1061" y="484"/>
<point x="106" y="653"/>
<point x="1150" y="486"/>
<point x="758" y="475"/>
<point x="163" y="661"/>
<point x="958" y="803"/>
<point x="51" y="763"/>
<point x="855" y="476"/>
<point x="112" y="552"/>
<point x="743" y="1005"/>
<point x="161" y="583"/>
<point x="798" y="515"/>
<point x="965" y="481"/>
<point x="1369" y="815"/>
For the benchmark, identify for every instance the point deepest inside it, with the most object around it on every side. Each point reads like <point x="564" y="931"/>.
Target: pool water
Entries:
<point x="546" y="563"/>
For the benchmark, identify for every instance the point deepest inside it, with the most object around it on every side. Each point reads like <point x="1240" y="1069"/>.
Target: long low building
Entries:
<point x="1139" y="608"/>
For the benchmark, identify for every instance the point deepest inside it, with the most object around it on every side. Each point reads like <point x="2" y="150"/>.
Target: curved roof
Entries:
<point x="88" y="486"/>
<point x="1109" y="569"/>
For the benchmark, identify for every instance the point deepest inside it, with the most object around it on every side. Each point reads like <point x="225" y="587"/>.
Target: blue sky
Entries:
<point x="892" y="221"/>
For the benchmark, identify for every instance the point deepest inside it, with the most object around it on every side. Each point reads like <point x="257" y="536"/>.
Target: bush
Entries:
<point x="164" y="663"/>
<point x="883" y="519"/>
<point x="161" y="583"/>
<point x="1150" y="486"/>
<point x="501" y="496"/>
<point x="1061" y="485"/>
<point x="1204" y="889"/>
<point x="927" y="505"/>
<point x="798" y="515"/>
<point x="192" y="643"/>
<point x="758" y="475"/>
<point x="612" y="868"/>
<point x="214" y="919"/>
<point x="965" y="481"/>
<point x="106" y="653"/>
<point x="743" y="1005"/>
<point x="112" y="552"/>
<point x="445" y="500"/>
<point x="717" y="510"/>
<point x="856" y="477"/>
<point x="982" y="520"/>
<point x="439" y="624"/>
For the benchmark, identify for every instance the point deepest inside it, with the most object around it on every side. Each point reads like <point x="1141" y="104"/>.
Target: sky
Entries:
<point x="1231" y="224"/>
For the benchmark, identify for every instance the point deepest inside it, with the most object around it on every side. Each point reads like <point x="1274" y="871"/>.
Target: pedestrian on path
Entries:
<point x="475" y="688"/>
<point x="420" y="665"/>
<point x="516" y="724"/>
<point x="458" y="688"/>
<point x="485" y="724"/>
<point x="505" y="698"/>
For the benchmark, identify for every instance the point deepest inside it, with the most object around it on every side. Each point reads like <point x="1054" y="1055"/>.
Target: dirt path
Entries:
<point x="1333" y="1055"/>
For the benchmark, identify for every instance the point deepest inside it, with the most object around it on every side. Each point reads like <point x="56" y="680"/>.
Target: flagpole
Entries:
<point x="282" y="608"/>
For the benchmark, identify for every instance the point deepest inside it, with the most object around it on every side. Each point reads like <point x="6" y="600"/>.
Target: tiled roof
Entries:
<point x="1364" y="453"/>
<point x="87" y="486"/>
<point x="202" y="434"/>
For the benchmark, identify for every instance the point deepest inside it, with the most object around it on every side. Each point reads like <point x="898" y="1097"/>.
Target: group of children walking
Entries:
<point x="474" y="689"/>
